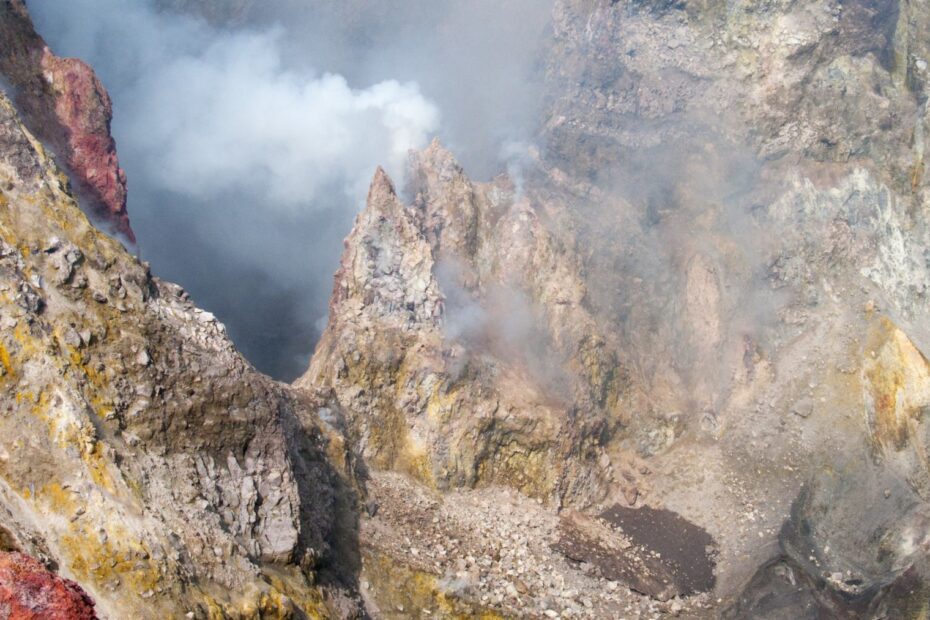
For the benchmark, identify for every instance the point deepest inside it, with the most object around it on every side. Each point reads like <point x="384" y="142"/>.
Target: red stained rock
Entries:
<point x="30" y="592"/>
<point x="67" y="107"/>
<point x="83" y="107"/>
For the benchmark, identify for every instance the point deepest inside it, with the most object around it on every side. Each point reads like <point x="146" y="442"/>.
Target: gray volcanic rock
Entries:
<point x="765" y="163"/>
<point x="826" y="81"/>
<point x="724" y="263"/>
<point x="730" y="203"/>
<point x="459" y="344"/>
<point x="702" y="293"/>
<point x="67" y="107"/>
<point x="141" y="453"/>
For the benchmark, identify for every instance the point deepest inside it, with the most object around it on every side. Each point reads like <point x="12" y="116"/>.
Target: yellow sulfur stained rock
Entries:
<point x="163" y="487"/>
<point x="897" y="381"/>
<point x="458" y="344"/>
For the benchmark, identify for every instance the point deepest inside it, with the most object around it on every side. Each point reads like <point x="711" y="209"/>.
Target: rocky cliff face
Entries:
<point x="142" y="455"/>
<point x="720" y="254"/>
<point x="825" y="81"/>
<point x="66" y="106"/>
<point x="765" y="165"/>
<point x="459" y="342"/>
<point x="673" y="363"/>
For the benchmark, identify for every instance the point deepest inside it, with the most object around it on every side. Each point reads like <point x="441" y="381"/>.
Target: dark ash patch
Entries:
<point x="655" y="552"/>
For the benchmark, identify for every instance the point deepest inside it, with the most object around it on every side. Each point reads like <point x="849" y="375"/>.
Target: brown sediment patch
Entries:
<point x="656" y="552"/>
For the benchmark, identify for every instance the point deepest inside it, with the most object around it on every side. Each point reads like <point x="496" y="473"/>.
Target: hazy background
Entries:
<point x="249" y="131"/>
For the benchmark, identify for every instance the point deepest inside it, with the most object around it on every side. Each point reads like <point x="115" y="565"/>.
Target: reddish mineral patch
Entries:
<point x="67" y="107"/>
<point x="30" y="592"/>
<point x="83" y="108"/>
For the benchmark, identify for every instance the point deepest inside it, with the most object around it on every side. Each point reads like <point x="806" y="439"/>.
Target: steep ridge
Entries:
<point x="734" y="214"/>
<point x="461" y="353"/>
<point x="66" y="106"/>
<point x="459" y="344"/>
<point x="142" y="455"/>
<point x="705" y="295"/>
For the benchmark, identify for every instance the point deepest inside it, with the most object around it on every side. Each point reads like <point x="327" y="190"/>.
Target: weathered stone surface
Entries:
<point x="459" y="343"/>
<point x="66" y="106"/>
<point x="725" y="199"/>
<point x="705" y="291"/>
<point x="141" y="452"/>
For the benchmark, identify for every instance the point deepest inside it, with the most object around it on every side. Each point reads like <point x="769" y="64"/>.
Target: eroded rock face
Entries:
<point x="827" y="81"/>
<point x="706" y="293"/>
<point x="459" y="343"/>
<point x="728" y="199"/>
<point x="28" y="591"/>
<point x="750" y="180"/>
<point x="142" y="453"/>
<point x="66" y="106"/>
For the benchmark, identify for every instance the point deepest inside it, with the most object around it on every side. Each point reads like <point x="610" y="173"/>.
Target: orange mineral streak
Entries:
<point x="897" y="381"/>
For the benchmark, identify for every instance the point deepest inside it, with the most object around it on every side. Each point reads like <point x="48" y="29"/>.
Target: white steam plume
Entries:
<point x="245" y="167"/>
<point x="209" y="111"/>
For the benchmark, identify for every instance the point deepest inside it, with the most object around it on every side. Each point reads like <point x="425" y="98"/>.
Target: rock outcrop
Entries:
<point x="65" y="105"/>
<point x="826" y="81"/>
<point x="720" y="253"/>
<point x="699" y="306"/>
<point x="750" y="181"/>
<point x="459" y="342"/>
<point x="142" y="454"/>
